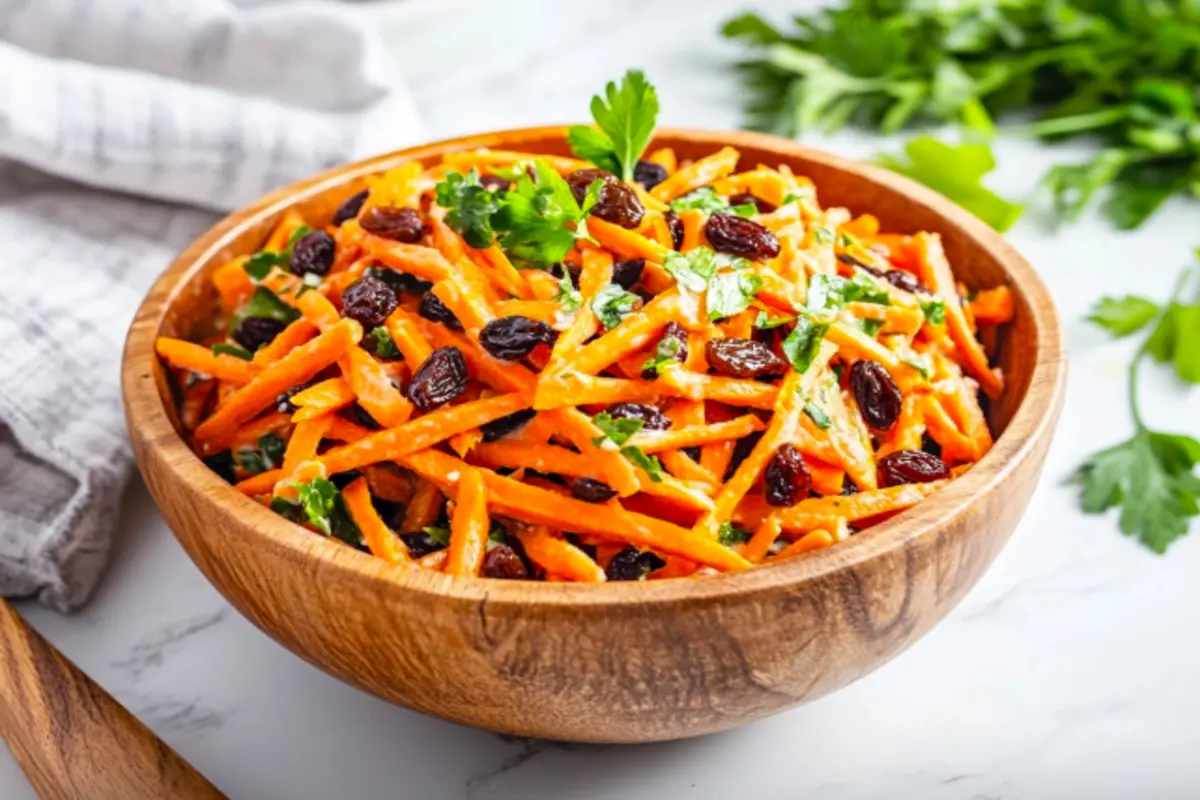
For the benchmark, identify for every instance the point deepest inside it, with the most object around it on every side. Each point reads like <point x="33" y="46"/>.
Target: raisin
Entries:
<point x="433" y="309"/>
<point x="495" y="182"/>
<point x="910" y="466"/>
<point x="626" y="273"/>
<point x="741" y="451"/>
<point x="743" y="358"/>
<point x="421" y="544"/>
<point x="675" y="331"/>
<point x="590" y="490"/>
<point x="389" y="222"/>
<point x="501" y="561"/>
<point x="930" y="446"/>
<point x="905" y="280"/>
<point x="616" y="203"/>
<point x="786" y="480"/>
<point x="254" y="332"/>
<point x="739" y="236"/>
<point x="632" y="564"/>
<point x="849" y="488"/>
<point x="350" y="207"/>
<point x="745" y="197"/>
<point x="675" y="226"/>
<point x="440" y="378"/>
<point x="499" y="428"/>
<point x="513" y="338"/>
<point x="652" y="418"/>
<point x="879" y="399"/>
<point x="369" y="301"/>
<point x="312" y="252"/>
<point x="358" y="415"/>
<point x="693" y="453"/>
<point x="649" y="174"/>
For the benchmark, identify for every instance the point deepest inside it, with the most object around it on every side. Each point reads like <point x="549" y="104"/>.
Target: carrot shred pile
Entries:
<point x="668" y="400"/>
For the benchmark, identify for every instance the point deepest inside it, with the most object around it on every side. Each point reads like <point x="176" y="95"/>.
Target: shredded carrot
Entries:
<point x="993" y="306"/>
<point x="558" y="556"/>
<point x="699" y="173"/>
<point x="764" y="536"/>
<point x="380" y="539"/>
<point x="321" y="398"/>
<point x="468" y="526"/>
<point x="424" y="508"/>
<point x="304" y="442"/>
<point x="291" y="337"/>
<point x="203" y="361"/>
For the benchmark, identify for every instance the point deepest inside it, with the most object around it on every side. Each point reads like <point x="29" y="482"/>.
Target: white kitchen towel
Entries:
<point x="119" y="121"/>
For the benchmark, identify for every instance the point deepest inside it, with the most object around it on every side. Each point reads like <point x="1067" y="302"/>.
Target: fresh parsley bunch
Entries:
<point x="1124" y="70"/>
<point x="1151" y="476"/>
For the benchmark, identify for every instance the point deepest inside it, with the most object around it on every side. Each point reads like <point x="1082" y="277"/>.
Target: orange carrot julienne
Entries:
<point x="699" y="173"/>
<point x="558" y="556"/>
<point x="195" y="398"/>
<point x="202" y="360"/>
<point x="764" y="536"/>
<point x="381" y="541"/>
<point x="625" y="243"/>
<point x="679" y="438"/>
<point x="299" y="365"/>
<point x="262" y="483"/>
<point x="993" y="306"/>
<point x="468" y="526"/>
<point x="406" y="335"/>
<point x="634" y="332"/>
<point x="291" y="337"/>
<point x="423" y="509"/>
<point x="823" y="511"/>
<point x="304" y="442"/>
<point x="374" y="390"/>
<point x="693" y="229"/>
<point x="321" y="398"/>
<point x="813" y="540"/>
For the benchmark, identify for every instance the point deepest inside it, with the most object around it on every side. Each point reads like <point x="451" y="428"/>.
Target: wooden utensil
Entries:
<point x="619" y="662"/>
<point x="71" y="738"/>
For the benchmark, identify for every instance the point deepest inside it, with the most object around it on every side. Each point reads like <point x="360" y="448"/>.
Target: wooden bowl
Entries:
<point x="619" y="662"/>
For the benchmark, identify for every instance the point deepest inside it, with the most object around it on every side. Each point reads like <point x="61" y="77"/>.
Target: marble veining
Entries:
<point x="1068" y="672"/>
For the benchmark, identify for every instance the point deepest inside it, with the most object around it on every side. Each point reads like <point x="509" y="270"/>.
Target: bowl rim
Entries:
<point x="149" y="422"/>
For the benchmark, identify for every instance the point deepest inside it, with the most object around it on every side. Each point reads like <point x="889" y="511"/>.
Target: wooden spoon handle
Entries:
<point x="71" y="738"/>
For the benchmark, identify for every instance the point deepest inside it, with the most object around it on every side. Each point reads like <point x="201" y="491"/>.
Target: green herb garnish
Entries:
<point x="625" y="117"/>
<point x="267" y="456"/>
<point x="819" y="417"/>
<point x="804" y="342"/>
<point x="266" y="305"/>
<point x="237" y="351"/>
<point x="385" y="347"/>
<point x="568" y="298"/>
<point x="666" y="353"/>
<point x="730" y="534"/>
<point x="618" y="431"/>
<point x="612" y="304"/>
<point x="731" y="293"/>
<point x="439" y="534"/>
<point x="934" y="310"/>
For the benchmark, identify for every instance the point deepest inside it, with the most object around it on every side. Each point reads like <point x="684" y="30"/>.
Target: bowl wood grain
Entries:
<point x="619" y="662"/>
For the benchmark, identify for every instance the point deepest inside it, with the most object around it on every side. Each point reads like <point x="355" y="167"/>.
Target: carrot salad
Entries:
<point x="621" y="365"/>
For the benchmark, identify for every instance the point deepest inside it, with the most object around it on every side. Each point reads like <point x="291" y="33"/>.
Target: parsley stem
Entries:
<point x="1134" y="408"/>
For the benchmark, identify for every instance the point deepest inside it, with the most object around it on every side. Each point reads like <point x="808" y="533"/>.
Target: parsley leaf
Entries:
<point x="934" y="310"/>
<point x="616" y="430"/>
<point x="765" y="322"/>
<point x="1151" y="475"/>
<point x="819" y="417"/>
<point x="956" y="172"/>
<point x="731" y="293"/>
<point x="666" y="353"/>
<point x="730" y="534"/>
<point x="265" y="304"/>
<point x="803" y="343"/>
<point x="625" y="117"/>
<point x="1124" y="316"/>
<point x="649" y="464"/>
<point x="224" y="348"/>
<point x="471" y="206"/>
<point x="703" y="199"/>
<point x="267" y="456"/>
<point x="317" y="499"/>
<point x="612" y="304"/>
<point x="385" y="347"/>
<point x="438" y="533"/>
<point x="832" y="292"/>
<point x="693" y="269"/>
<point x="568" y="298"/>
<point x="259" y="265"/>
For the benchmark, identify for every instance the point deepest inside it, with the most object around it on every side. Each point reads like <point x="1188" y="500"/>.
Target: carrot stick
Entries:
<point x="665" y="158"/>
<point x="596" y="273"/>
<point x="813" y="540"/>
<point x="782" y="429"/>
<point x="274" y="422"/>
<point x="233" y="284"/>
<point x="387" y="482"/>
<point x="503" y="274"/>
<point x="343" y="430"/>
<point x="825" y="511"/>
<point x="406" y="335"/>
<point x="423" y="509"/>
<point x="960" y="401"/>
<point x="909" y="430"/>
<point x="304" y="442"/>
<point x="546" y="311"/>
<point x="634" y="332"/>
<point x="956" y="447"/>
<point x="422" y="262"/>
<point x="288" y="224"/>
<point x="895" y="318"/>
<point x="693" y="229"/>
<point x="374" y="390"/>
<point x="262" y="483"/>
<point x="322" y="398"/>
<point x="381" y="541"/>
<point x="936" y="274"/>
<point x="537" y="506"/>
<point x="423" y="432"/>
<point x="764" y="536"/>
<point x="468" y="526"/>
<point x="826" y="478"/>
<point x="699" y="173"/>
<point x="679" y="438"/>
<point x="558" y="556"/>
<point x="576" y="389"/>
<point x="195" y="399"/>
<point x="296" y="367"/>
<point x="472" y="311"/>
<point x="993" y="306"/>
<point x="625" y="243"/>
<point x="203" y="361"/>
<point x="288" y="339"/>
<point x="734" y="391"/>
<point x="435" y="561"/>
<point x="850" y="439"/>
<point x="682" y="467"/>
<point x="463" y="443"/>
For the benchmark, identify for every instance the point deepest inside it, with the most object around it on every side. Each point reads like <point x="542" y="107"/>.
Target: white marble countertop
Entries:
<point x="1068" y="672"/>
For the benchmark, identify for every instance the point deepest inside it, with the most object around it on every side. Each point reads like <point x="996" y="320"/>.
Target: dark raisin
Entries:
<point x="616" y="203"/>
<point x="910" y="466"/>
<point x="693" y="453"/>
<point x="421" y="544"/>
<point x="849" y="488"/>
<point x="930" y="446"/>
<point x="388" y="222"/>
<point x="499" y="428"/>
<point x="743" y="358"/>
<point x="879" y="399"/>
<point x="653" y="419"/>
<point x="433" y="309"/>
<point x="905" y="280"/>
<point x="786" y="480"/>
<point x="369" y="301"/>
<point x="675" y="331"/>
<point x="359" y="416"/>
<point x="283" y="402"/>
<point x="632" y="564"/>
<point x="495" y="182"/>
<point x="254" y="332"/>
<point x="649" y="174"/>
<point x="512" y="338"/>
<point x="745" y="197"/>
<point x="343" y="479"/>
<point x="675" y="226"/>
<point x="739" y="236"/>
<point x="350" y="207"/>
<point x="440" y="378"/>
<point x="741" y="451"/>
<point x="501" y="561"/>
<point x="626" y="273"/>
<point x="590" y="490"/>
<point x="312" y="252"/>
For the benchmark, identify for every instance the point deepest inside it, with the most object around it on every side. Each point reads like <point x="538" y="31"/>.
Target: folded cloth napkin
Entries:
<point x="119" y="120"/>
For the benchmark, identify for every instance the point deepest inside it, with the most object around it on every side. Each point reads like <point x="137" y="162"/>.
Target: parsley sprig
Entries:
<point x="624" y="116"/>
<point x="616" y="432"/>
<point x="1151" y="476"/>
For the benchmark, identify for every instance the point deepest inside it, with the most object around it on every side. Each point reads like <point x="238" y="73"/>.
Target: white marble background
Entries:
<point x="1069" y="672"/>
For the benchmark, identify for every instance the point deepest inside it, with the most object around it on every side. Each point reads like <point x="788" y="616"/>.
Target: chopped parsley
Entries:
<point x="819" y="417"/>
<point x="470" y="205"/>
<point x="265" y="304"/>
<point x="612" y="304"/>
<point x="267" y="456"/>
<point x="438" y="533"/>
<point x="706" y="199"/>
<point x="568" y="298"/>
<point x="731" y="293"/>
<point x="385" y="347"/>
<point x="804" y="342"/>
<point x="730" y="534"/>
<point x="259" y="265"/>
<point x="618" y="432"/>
<point x="765" y="322"/>
<point x="934" y="310"/>
<point x="224" y="348"/>
<point x="666" y="353"/>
